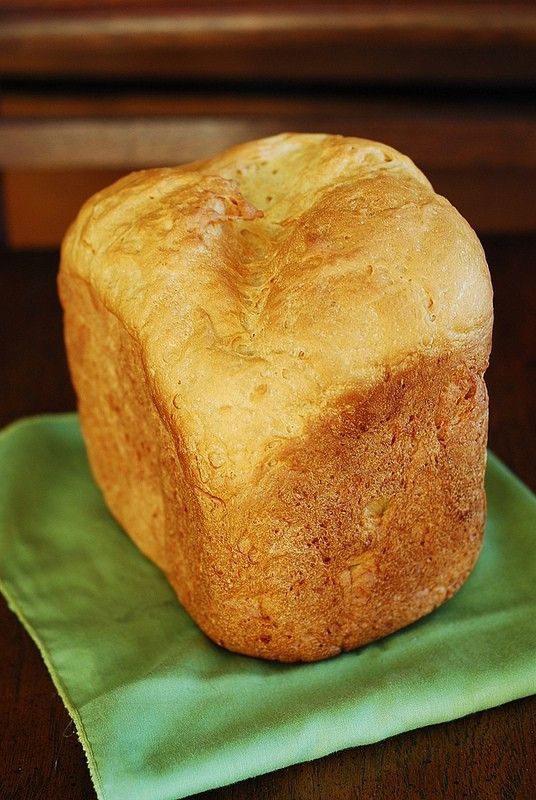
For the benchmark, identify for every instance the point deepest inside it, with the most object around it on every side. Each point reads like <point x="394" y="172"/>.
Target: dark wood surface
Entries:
<point x="489" y="755"/>
<point x="437" y="132"/>
<point x="477" y="41"/>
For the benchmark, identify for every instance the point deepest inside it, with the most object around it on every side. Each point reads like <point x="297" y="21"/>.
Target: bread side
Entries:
<point x="365" y="524"/>
<point x="370" y="521"/>
<point x="287" y="412"/>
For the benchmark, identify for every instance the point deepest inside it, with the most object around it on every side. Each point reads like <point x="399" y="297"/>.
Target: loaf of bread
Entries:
<point x="279" y="355"/>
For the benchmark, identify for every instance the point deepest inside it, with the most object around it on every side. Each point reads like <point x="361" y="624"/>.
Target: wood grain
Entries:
<point x="432" y="139"/>
<point x="398" y="42"/>
<point x="490" y="755"/>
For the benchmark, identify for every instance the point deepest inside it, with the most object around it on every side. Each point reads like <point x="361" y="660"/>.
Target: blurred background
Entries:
<point x="93" y="89"/>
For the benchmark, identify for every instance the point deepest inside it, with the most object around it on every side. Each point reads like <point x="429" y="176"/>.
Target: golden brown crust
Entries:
<point x="286" y="411"/>
<point x="372" y="520"/>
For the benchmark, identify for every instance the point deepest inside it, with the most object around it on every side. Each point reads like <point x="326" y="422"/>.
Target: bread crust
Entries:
<point x="308" y="476"/>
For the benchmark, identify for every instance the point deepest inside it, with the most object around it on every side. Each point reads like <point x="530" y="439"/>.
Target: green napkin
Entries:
<point x="162" y="712"/>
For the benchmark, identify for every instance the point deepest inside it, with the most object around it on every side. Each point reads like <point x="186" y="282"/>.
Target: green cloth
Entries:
<point x="162" y="712"/>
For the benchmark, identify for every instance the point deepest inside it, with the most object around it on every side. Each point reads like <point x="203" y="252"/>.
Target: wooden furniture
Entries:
<point x="89" y="90"/>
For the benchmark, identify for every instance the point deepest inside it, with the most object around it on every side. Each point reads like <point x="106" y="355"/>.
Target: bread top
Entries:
<point x="265" y="282"/>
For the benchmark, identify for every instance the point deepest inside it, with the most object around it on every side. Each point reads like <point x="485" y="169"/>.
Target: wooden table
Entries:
<point x="489" y="755"/>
